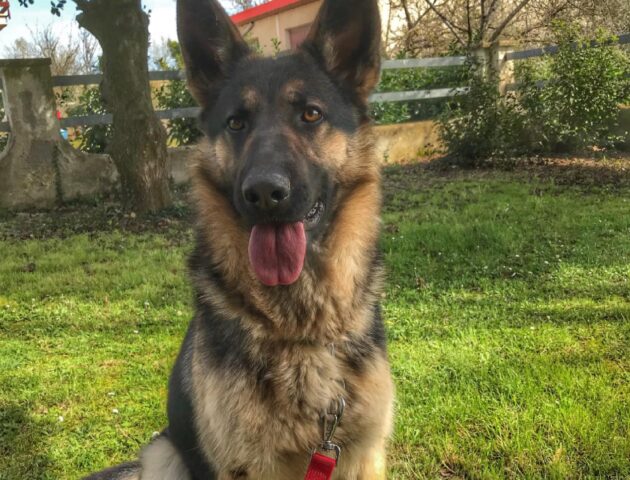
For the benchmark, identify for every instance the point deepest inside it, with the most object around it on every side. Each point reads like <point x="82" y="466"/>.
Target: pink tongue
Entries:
<point x="277" y="253"/>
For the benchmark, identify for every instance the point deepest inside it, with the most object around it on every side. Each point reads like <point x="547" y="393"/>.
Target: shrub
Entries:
<point x="93" y="139"/>
<point x="481" y="124"/>
<point x="174" y="94"/>
<point x="579" y="104"/>
<point x="576" y="107"/>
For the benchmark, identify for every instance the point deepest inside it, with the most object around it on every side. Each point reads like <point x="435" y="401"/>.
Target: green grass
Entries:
<point x="508" y="309"/>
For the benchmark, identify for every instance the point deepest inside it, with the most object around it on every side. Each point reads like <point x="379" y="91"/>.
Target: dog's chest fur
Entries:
<point x="268" y="420"/>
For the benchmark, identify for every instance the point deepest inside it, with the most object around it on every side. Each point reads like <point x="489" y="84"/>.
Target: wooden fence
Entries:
<point x="500" y="57"/>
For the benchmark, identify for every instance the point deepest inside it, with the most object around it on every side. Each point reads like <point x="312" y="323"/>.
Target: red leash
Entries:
<point x="321" y="467"/>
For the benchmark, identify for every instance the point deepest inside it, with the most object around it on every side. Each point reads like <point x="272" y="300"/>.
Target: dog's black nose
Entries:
<point x="267" y="191"/>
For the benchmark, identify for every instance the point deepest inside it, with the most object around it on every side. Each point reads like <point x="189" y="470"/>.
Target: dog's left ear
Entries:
<point x="346" y="38"/>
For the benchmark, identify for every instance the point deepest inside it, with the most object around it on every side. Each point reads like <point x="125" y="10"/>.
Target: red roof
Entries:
<point x="266" y="9"/>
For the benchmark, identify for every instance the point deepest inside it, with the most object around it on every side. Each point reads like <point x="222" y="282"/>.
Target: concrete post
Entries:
<point x="494" y="65"/>
<point x="503" y="68"/>
<point x="27" y="170"/>
<point x="38" y="168"/>
<point x="483" y="55"/>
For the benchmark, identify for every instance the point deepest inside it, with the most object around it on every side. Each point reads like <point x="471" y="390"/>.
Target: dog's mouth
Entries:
<point x="277" y="250"/>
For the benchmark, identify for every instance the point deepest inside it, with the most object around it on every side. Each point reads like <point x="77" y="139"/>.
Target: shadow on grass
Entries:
<point x="22" y="445"/>
<point x="96" y="217"/>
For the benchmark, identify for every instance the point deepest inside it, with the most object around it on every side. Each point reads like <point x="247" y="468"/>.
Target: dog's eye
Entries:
<point x="235" y="124"/>
<point x="312" y="115"/>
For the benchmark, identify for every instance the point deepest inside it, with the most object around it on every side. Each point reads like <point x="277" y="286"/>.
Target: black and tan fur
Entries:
<point x="260" y="364"/>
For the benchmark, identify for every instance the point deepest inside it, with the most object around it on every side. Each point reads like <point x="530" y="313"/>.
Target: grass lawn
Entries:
<point x="508" y="309"/>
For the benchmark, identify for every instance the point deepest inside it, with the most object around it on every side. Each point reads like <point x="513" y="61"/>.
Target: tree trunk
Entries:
<point x="138" y="144"/>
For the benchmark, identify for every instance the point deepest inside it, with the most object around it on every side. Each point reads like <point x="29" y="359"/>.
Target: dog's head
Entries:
<point x="287" y="135"/>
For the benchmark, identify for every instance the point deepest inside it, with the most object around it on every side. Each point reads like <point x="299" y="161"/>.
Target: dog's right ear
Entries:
<point x="210" y="45"/>
<point x="346" y="38"/>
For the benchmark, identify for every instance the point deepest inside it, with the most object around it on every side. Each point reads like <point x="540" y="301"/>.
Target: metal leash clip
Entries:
<point x="330" y="421"/>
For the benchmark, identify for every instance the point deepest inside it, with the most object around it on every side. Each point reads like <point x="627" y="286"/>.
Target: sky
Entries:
<point x="162" y="24"/>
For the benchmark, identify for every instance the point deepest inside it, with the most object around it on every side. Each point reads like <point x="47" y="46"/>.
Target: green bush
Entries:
<point x="481" y="124"/>
<point x="575" y="107"/>
<point x="578" y="106"/>
<point x="94" y="138"/>
<point x="174" y="94"/>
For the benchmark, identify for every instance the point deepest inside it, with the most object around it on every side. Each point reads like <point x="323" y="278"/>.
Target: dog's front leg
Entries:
<point x="374" y="465"/>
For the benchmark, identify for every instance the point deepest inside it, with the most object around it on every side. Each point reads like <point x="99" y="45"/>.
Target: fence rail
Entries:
<point x="432" y="62"/>
<point x="553" y="49"/>
<point x="385" y="97"/>
<point x="76" y="80"/>
<point x="169" y="75"/>
<point x="416" y="95"/>
<point x="91" y="120"/>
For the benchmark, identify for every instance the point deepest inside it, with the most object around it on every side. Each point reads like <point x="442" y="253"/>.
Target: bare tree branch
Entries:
<point x="87" y="58"/>
<point x="469" y="22"/>
<point x="405" y="8"/>
<point x="499" y="30"/>
<point x="446" y="22"/>
<point x="244" y="4"/>
<point x="437" y="25"/>
<point x="44" y="42"/>
<point x="545" y="21"/>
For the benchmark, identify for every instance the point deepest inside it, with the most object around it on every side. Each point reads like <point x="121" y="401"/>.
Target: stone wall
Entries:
<point x="408" y="141"/>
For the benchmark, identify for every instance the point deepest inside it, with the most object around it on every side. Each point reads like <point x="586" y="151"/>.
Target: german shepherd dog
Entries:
<point x="287" y="272"/>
